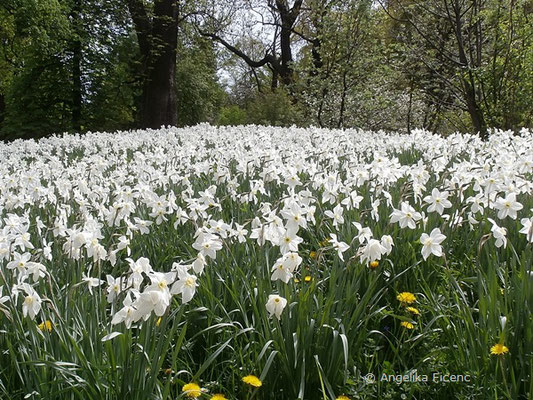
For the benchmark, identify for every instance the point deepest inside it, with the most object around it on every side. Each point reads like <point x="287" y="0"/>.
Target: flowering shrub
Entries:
<point x="188" y="249"/>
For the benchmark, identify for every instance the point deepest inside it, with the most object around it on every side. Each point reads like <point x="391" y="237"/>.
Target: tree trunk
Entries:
<point x="286" y="55"/>
<point x="469" y="84"/>
<point x="343" y="100"/>
<point x="158" y="41"/>
<point x="274" y="83"/>
<point x="288" y="18"/>
<point x="410" y="108"/>
<point x="160" y="106"/>
<point x="476" y="115"/>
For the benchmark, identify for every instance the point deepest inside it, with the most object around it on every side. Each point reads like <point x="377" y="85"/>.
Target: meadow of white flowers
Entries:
<point x="165" y="263"/>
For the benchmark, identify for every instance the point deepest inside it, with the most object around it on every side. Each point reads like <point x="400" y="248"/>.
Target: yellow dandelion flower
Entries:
<point x="296" y="280"/>
<point x="46" y="325"/>
<point x="406" y="297"/>
<point x="343" y="397"/>
<point x="312" y="254"/>
<point x="308" y="278"/>
<point x="499" y="349"/>
<point x="413" y="310"/>
<point x="158" y="322"/>
<point x="252" y="380"/>
<point x="374" y="264"/>
<point x="192" y="390"/>
<point x="218" y="396"/>
<point x="407" y="324"/>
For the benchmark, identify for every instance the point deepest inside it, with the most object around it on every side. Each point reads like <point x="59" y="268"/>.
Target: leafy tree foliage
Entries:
<point x="198" y="92"/>
<point x="443" y="65"/>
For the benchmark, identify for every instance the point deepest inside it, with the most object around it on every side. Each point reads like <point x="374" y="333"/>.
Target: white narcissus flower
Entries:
<point x="292" y="260"/>
<point x="23" y="239"/>
<point x="4" y="250"/>
<point x="137" y="269"/>
<point x="336" y="215"/>
<point x="375" y="210"/>
<point x="240" y="232"/>
<point x="499" y="233"/>
<point x="92" y="282"/>
<point x="161" y="281"/>
<point x="142" y="226"/>
<point x="527" y="228"/>
<point x="199" y="264"/>
<point x="365" y="234"/>
<point x="352" y="201"/>
<point x="275" y="305"/>
<point x="32" y="302"/>
<point x="112" y="257"/>
<point x="477" y="203"/>
<point x="295" y="217"/>
<point x="289" y="241"/>
<point x="220" y="228"/>
<point x="113" y="288"/>
<point x="36" y="270"/>
<point x="285" y="266"/>
<point x="292" y="180"/>
<point x="47" y="250"/>
<point x="387" y="243"/>
<point x="181" y="217"/>
<point x="258" y="231"/>
<point x="151" y="300"/>
<point x="207" y="244"/>
<point x="124" y="243"/>
<point x="431" y="243"/>
<point x="281" y="272"/>
<point x="372" y="251"/>
<point x="341" y="247"/>
<point x="507" y="206"/>
<point x="407" y="216"/>
<point x="126" y="313"/>
<point x="185" y="285"/>
<point x="20" y="262"/>
<point x="438" y="201"/>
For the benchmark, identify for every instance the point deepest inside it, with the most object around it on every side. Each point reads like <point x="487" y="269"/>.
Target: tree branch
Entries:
<point x="267" y="59"/>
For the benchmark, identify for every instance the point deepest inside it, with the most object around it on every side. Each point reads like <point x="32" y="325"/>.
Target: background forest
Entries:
<point x="88" y="65"/>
